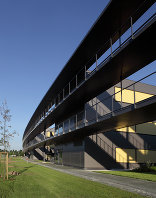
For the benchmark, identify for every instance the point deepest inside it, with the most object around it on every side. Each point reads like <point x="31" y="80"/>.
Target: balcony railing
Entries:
<point x="94" y="111"/>
<point x="112" y="47"/>
<point x="103" y="109"/>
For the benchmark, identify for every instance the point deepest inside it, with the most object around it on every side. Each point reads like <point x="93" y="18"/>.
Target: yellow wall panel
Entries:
<point x="146" y="128"/>
<point x="141" y="96"/>
<point x="125" y="155"/>
<point x="128" y="96"/>
<point x="127" y="129"/>
<point x="48" y="134"/>
<point x="129" y="155"/>
<point x="144" y="156"/>
<point x="122" y="129"/>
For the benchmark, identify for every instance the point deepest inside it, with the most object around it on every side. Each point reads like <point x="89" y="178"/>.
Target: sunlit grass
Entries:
<point x="150" y="176"/>
<point x="37" y="182"/>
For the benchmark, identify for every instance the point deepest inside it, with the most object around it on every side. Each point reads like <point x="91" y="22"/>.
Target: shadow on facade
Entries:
<point x="119" y="139"/>
<point x="101" y="156"/>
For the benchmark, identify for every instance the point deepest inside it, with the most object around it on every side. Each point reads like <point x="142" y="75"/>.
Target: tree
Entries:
<point x="5" y="129"/>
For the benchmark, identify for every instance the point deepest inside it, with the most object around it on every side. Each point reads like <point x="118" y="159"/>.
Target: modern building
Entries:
<point x="93" y="116"/>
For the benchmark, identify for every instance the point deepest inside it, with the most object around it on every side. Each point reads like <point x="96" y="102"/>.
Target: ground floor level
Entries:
<point x="124" y="148"/>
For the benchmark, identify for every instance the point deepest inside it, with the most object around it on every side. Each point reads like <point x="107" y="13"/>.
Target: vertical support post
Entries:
<point x="48" y="109"/>
<point x="85" y="117"/>
<point x="63" y="94"/>
<point x="52" y="105"/>
<point x="69" y="88"/>
<point x="119" y="38"/>
<point x="44" y="154"/>
<point x="44" y="132"/>
<point x="44" y="113"/>
<point x="76" y="80"/>
<point x="96" y="61"/>
<point x="55" y="102"/>
<point x="132" y="27"/>
<point x="112" y="150"/>
<point x="76" y="122"/>
<point x="63" y="127"/>
<point x="121" y="92"/>
<point x="85" y="73"/>
<point x="55" y="130"/>
<point x="135" y="129"/>
<point x="96" y="111"/>
<point x="112" y="104"/>
<point x="134" y="96"/>
<point x="59" y="98"/>
<point x="69" y="124"/>
<point x="111" y="47"/>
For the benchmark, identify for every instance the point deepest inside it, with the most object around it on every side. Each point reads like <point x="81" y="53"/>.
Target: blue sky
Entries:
<point x="37" y="37"/>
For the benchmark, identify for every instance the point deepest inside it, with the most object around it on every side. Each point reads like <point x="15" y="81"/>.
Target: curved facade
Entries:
<point x="71" y="109"/>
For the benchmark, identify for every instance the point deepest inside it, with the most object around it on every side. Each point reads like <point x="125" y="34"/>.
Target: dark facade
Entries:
<point x="92" y="116"/>
<point x="101" y="151"/>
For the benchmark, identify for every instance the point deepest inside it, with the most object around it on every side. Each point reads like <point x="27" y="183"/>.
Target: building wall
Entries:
<point x="122" y="148"/>
<point x="38" y="153"/>
<point x="148" y="128"/>
<point x="117" y="149"/>
<point x="99" y="153"/>
<point x="125" y="147"/>
<point x="72" y="154"/>
<point x="135" y="155"/>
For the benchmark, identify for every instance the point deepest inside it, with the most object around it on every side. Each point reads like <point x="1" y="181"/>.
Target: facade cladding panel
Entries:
<point x="72" y="154"/>
<point x="122" y="148"/>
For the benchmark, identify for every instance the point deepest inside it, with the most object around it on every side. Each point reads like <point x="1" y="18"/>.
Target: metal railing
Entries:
<point x="124" y="98"/>
<point x="83" y="74"/>
<point x="110" y="150"/>
<point x="97" y="110"/>
<point x="94" y="112"/>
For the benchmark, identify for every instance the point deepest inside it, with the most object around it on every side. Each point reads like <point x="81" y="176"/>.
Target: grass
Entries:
<point x="40" y="182"/>
<point x="150" y="176"/>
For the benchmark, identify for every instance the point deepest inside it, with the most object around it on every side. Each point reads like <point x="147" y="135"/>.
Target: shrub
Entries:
<point x="145" y="167"/>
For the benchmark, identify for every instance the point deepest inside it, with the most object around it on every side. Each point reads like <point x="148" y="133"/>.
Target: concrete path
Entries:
<point x="143" y="187"/>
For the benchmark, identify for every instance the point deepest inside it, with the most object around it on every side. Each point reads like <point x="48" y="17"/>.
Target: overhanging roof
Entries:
<point x="114" y="15"/>
<point x="133" y="56"/>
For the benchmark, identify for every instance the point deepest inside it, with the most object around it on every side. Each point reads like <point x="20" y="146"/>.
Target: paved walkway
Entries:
<point x="143" y="187"/>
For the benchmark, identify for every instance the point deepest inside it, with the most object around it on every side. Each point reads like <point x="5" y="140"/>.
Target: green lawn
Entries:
<point x="151" y="176"/>
<point x="36" y="181"/>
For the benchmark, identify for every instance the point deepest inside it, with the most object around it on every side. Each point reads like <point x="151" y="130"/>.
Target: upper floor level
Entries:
<point x="118" y="17"/>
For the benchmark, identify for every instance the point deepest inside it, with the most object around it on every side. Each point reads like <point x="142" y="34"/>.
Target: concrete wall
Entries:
<point x="123" y="148"/>
<point x="38" y="153"/>
<point x="72" y="154"/>
<point x="118" y="149"/>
